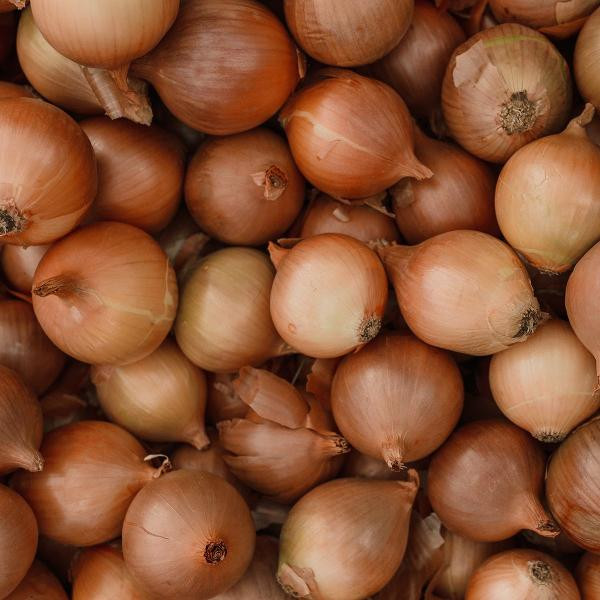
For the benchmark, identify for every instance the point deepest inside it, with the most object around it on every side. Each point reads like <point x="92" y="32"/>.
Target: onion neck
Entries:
<point x="393" y="455"/>
<point x="531" y="318"/>
<point x="518" y="114"/>
<point x="334" y="444"/>
<point x="30" y="459"/>
<point x="62" y="286"/>
<point x="12" y="220"/>
<point x="196" y="436"/>
<point x="577" y="126"/>
<point x="273" y="180"/>
<point x="214" y="552"/>
<point x="537" y="519"/>
<point x="164" y="467"/>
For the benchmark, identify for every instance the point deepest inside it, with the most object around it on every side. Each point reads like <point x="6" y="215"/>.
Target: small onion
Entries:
<point x="351" y="136"/>
<point x="39" y="584"/>
<point x="188" y="535"/>
<point x="244" y="189"/>
<point x="106" y="294"/>
<point x="485" y="482"/>
<point x="464" y="291"/>
<point x="19" y="264"/>
<point x="12" y="90"/>
<point x="319" y="555"/>
<point x="505" y="87"/>
<point x="587" y="51"/>
<point x="587" y="574"/>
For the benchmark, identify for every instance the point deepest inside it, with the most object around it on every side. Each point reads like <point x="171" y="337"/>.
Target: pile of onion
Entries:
<point x="586" y="58"/>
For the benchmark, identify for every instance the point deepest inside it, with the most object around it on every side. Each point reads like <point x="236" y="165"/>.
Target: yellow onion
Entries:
<point x="485" y="482"/>
<point x="313" y="308"/>
<point x="351" y="136"/>
<point x="503" y="88"/>
<point x="464" y="291"/>
<point x="587" y="51"/>
<point x="587" y="574"/>
<point x="319" y="555"/>
<point x="547" y="384"/>
<point x="160" y="398"/>
<point x="222" y="401"/>
<point x="397" y="399"/>
<point x="19" y="264"/>
<point x="39" y="584"/>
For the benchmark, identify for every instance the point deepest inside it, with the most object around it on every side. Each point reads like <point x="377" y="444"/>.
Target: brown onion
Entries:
<point x="546" y="385"/>
<point x="39" y="584"/>
<point x="19" y="264"/>
<point x="505" y="87"/>
<point x="222" y="401"/>
<point x="61" y="409"/>
<point x="460" y="195"/>
<point x="106" y="294"/>
<point x="212" y="527"/>
<point x="224" y="67"/>
<point x="522" y="574"/>
<point x="588" y="576"/>
<point x="244" y="189"/>
<point x="12" y="90"/>
<point x="464" y="291"/>
<point x="397" y="399"/>
<point x="587" y="50"/>
<point x="485" y="481"/>
<point x="319" y="555"/>
<point x="140" y="173"/>
<point x="47" y="169"/>
<point x="91" y="473"/>
<point x="573" y="485"/>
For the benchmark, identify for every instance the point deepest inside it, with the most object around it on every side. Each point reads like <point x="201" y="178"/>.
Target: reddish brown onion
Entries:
<point x="39" y="584"/>
<point x="19" y="264"/>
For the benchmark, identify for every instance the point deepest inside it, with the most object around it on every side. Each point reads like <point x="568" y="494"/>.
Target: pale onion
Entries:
<point x="465" y="291"/>
<point x="91" y="474"/>
<point x="39" y="584"/>
<point x="314" y="308"/>
<point x="351" y="136"/>
<point x="212" y="527"/>
<point x="587" y="574"/>
<point x="106" y="294"/>
<point x="547" y="384"/>
<point x="160" y="398"/>
<point x="503" y="88"/>
<point x="12" y="90"/>
<point x="397" y="399"/>
<point x="244" y="189"/>
<point x="485" y="482"/>
<point x="140" y="173"/>
<point x="319" y="555"/>
<point x="47" y="170"/>
<point x="223" y="322"/>
<point x="19" y="264"/>
<point x="587" y="51"/>
<point x="222" y="401"/>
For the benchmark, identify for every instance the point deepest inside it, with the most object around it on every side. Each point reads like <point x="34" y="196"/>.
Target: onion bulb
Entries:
<point x="223" y="321"/>
<point x="91" y="473"/>
<point x="522" y="574"/>
<point x="485" y="481"/>
<point x="47" y="170"/>
<point x="12" y="90"/>
<point x="573" y="485"/>
<point x="503" y="88"/>
<point x="587" y="574"/>
<point x="160" y="398"/>
<point x="397" y="399"/>
<point x="547" y="384"/>
<point x="39" y="584"/>
<point x="244" y="189"/>
<point x="319" y="555"/>
<point x="212" y="527"/>
<point x="351" y="136"/>
<point x="587" y="50"/>
<point x="314" y="309"/>
<point x="19" y="264"/>
<point x="106" y="294"/>
<point x="464" y="291"/>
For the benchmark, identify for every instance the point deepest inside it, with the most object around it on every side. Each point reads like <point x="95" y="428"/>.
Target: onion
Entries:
<point x="38" y="584"/>
<point x="505" y="87"/>
<point x="140" y="173"/>
<point x="106" y="294"/>
<point x="313" y="308"/>
<point x="160" y="398"/>
<point x="188" y="535"/>
<point x="547" y="384"/>
<point x="19" y="264"/>
<point x="319" y="555"/>
<point x="12" y="90"/>
<point x="47" y="170"/>
<point x="222" y="402"/>
<point x="61" y="409"/>
<point x="485" y="481"/>
<point x="587" y="50"/>
<point x="223" y="321"/>
<point x="244" y="189"/>
<point x="92" y="472"/>
<point x="25" y="348"/>
<point x="224" y="67"/>
<point x="397" y="399"/>
<point x="588" y="576"/>
<point x="348" y="34"/>
<point x="522" y="574"/>
<point x="573" y="486"/>
<point x="460" y="195"/>
<point x="464" y="291"/>
<point x="18" y="540"/>
<point x="351" y="136"/>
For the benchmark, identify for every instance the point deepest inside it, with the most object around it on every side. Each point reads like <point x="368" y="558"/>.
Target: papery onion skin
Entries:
<point x="214" y="532"/>
<point x="106" y="294"/>
<point x="587" y="575"/>
<point x="464" y="291"/>
<point x="222" y="401"/>
<point x="19" y="264"/>
<point x="43" y="200"/>
<point x="140" y="172"/>
<point x="244" y="189"/>
<point x="351" y="136"/>
<point x="525" y="94"/>
<point x="217" y="52"/>
<point x="313" y="308"/>
<point x="501" y="467"/>
<point x="12" y="90"/>
<point x="587" y="51"/>
<point x="39" y="584"/>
